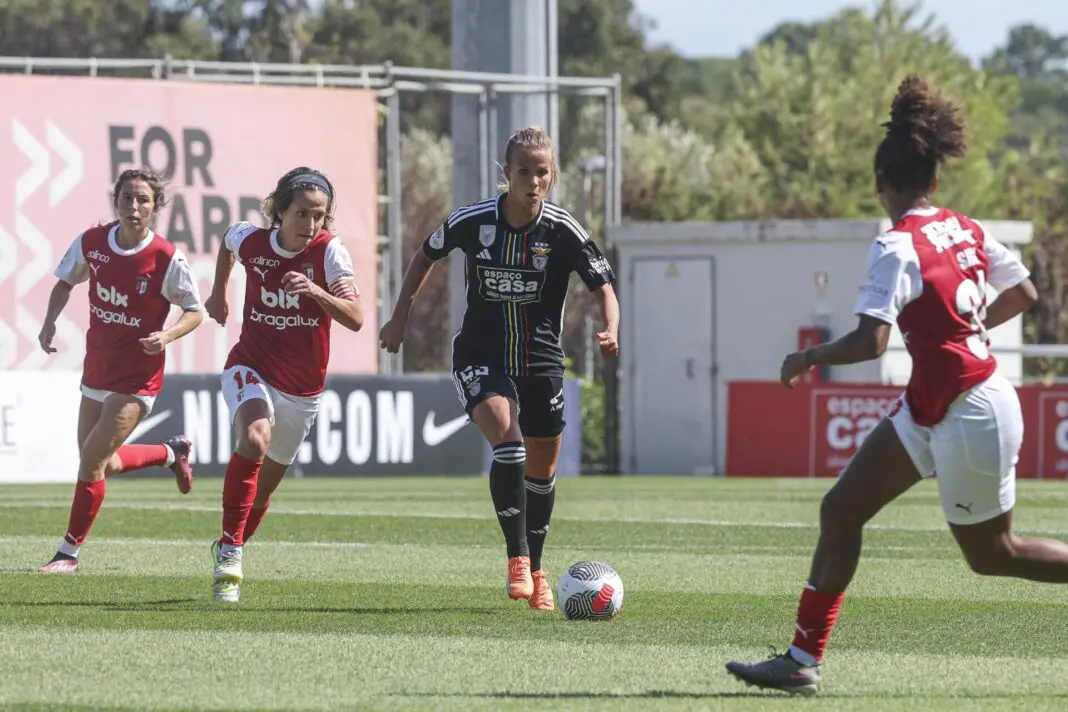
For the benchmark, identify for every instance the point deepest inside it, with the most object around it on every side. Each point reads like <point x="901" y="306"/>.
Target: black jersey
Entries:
<point x="517" y="282"/>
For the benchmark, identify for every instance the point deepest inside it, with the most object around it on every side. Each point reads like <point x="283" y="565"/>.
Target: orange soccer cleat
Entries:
<point x="542" y="598"/>
<point x="519" y="584"/>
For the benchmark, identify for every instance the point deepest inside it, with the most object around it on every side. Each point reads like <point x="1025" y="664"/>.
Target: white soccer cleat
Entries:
<point x="228" y="573"/>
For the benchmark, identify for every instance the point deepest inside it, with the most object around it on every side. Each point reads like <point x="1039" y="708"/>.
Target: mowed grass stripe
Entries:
<point x="243" y="670"/>
<point x="661" y="569"/>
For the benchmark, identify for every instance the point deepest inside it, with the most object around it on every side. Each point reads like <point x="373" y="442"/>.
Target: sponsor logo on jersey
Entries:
<point x="142" y="285"/>
<point x="280" y="299"/>
<point x="114" y="317"/>
<point x="599" y="265"/>
<point x="283" y="322"/>
<point x="487" y="235"/>
<point x="264" y="262"/>
<point x="522" y="286"/>
<point x="98" y="256"/>
<point x="437" y="240"/>
<point x="109" y="295"/>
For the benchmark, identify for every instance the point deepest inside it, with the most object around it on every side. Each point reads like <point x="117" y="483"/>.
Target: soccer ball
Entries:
<point x="590" y="590"/>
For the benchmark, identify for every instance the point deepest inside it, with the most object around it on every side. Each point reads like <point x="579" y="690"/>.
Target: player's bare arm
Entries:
<point x="56" y="301"/>
<point x="346" y="310"/>
<point x="216" y="304"/>
<point x="1011" y="303"/>
<point x="608" y="339"/>
<point x="155" y="342"/>
<point x="392" y="333"/>
<point x="866" y="342"/>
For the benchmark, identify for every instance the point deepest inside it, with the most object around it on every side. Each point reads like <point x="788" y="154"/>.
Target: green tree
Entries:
<point x="813" y="117"/>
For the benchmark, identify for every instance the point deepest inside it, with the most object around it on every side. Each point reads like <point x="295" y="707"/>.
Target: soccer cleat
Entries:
<point x="779" y="672"/>
<point x="542" y="598"/>
<point x="228" y="573"/>
<point x="519" y="584"/>
<point x="183" y="471"/>
<point x="60" y="564"/>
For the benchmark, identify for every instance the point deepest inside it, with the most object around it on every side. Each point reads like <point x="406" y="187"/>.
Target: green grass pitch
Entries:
<point x="389" y="594"/>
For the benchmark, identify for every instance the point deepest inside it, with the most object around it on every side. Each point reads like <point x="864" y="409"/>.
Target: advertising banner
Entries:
<point x="813" y="431"/>
<point x="64" y="141"/>
<point x="39" y="426"/>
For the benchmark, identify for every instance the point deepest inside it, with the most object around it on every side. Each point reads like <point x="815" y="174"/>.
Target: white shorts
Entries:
<point x="99" y="396"/>
<point x="291" y="416"/>
<point x="973" y="450"/>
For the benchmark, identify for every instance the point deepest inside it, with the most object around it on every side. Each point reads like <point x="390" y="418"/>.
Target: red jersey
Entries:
<point x="929" y="274"/>
<point x="285" y="337"/>
<point x="130" y="295"/>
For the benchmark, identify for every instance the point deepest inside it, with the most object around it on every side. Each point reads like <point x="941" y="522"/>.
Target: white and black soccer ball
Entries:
<point x="590" y="590"/>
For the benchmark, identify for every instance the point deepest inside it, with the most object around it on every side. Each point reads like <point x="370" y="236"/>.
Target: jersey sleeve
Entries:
<point x="339" y="272"/>
<point x="236" y="234"/>
<point x="586" y="257"/>
<point x="73" y="269"/>
<point x="892" y="280"/>
<point x="180" y="285"/>
<point x="444" y="240"/>
<point x="1004" y="269"/>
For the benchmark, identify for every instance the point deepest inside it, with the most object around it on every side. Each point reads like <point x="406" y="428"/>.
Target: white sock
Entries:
<point x="806" y="659"/>
<point x="170" y="456"/>
<point x="227" y="548"/>
<point x="68" y="549"/>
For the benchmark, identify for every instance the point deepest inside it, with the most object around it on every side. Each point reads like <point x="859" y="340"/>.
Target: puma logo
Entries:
<point x="261" y="272"/>
<point x="966" y="507"/>
<point x="94" y="267"/>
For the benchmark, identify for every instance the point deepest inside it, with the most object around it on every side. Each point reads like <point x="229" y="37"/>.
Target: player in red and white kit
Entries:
<point x="958" y="415"/>
<point x="299" y="280"/>
<point x="134" y="277"/>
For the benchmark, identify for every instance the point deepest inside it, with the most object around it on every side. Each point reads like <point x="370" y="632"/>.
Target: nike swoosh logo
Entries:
<point x="147" y="424"/>
<point x="434" y="435"/>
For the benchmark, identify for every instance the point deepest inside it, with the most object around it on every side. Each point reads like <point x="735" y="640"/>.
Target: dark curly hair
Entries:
<point x="924" y="130"/>
<point x="300" y="178"/>
<point x="158" y="183"/>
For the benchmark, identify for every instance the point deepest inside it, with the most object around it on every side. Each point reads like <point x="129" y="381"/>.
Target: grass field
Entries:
<point x="389" y="594"/>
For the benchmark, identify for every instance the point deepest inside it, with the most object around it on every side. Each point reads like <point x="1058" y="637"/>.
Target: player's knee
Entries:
<point x="992" y="558"/>
<point x="255" y="440"/>
<point x="838" y="513"/>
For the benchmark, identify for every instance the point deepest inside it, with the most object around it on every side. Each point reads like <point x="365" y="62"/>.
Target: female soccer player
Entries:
<point x="958" y="415"/>
<point x="134" y="277"/>
<point x="507" y="361"/>
<point x="299" y="280"/>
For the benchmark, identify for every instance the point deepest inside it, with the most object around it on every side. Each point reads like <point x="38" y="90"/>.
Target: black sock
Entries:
<point x="541" y="495"/>
<point x="510" y="496"/>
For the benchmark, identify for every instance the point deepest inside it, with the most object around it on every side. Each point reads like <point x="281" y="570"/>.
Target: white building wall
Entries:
<point x="765" y="290"/>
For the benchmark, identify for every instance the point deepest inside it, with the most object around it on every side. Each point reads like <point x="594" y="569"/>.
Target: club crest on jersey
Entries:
<point x="142" y="285"/>
<point x="487" y="235"/>
<point x="309" y="270"/>
<point x="541" y="254"/>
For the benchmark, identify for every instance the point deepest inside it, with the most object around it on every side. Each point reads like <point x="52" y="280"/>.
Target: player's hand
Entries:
<point x="217" y="308"/>
<point x="48" y="332"/>
<point x="299" y="284"/>
<point x="609" y="343"/>
<point x="391" y="336"/>
<point x="154" y="343"/>
<point x="793" y="366"/>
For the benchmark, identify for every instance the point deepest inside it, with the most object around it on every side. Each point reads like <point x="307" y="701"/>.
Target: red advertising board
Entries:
<point x="813" y="430"/>
<point x="64" y="140"/>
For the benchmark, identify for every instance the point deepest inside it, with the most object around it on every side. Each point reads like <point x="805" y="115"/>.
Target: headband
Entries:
<point x="311" y="179"/>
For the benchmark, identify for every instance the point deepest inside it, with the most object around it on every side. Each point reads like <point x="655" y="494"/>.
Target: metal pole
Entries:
<point x="485" y="188"/>
<point x="395" y="225"/>
<point x="612" y="214"/>
<point x="491" y="141"/>
<point x="552" y="70"/>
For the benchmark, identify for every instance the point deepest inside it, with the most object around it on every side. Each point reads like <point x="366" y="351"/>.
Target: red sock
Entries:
<point x="816" y="613"/>
<point x="138" y="457"/>
<point x="88" y="496"/>
<point x="255" y="516"/>
<point x="239" y="491"/>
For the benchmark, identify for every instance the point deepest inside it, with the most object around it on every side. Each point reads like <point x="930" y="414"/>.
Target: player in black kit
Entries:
<point x="507" y="361"/>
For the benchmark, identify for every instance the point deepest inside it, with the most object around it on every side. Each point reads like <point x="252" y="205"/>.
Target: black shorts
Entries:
<point x="540" y="398"/>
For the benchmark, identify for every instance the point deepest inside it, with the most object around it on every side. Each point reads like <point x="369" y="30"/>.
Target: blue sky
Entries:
<point x="703" y="27"/>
